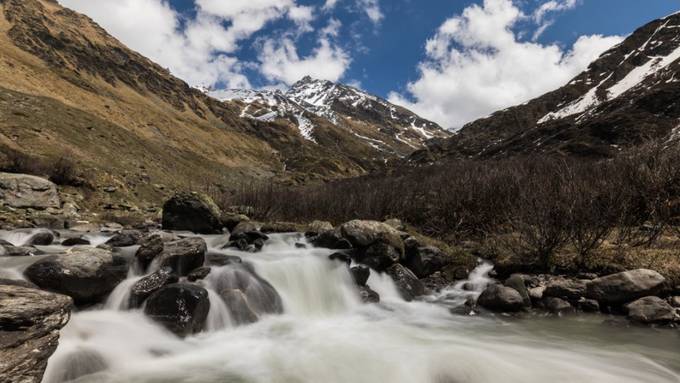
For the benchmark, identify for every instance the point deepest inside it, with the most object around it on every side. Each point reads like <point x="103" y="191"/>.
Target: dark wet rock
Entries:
<point x="192" y="212"/>
<point x="624" y="287"/>
<point x="557" y="305"/>
<point x="41" y="238"/>
<point x="240" y="310"/>
<point x="588" y="305"/>
<point x="149" y="248"/>
<point x="183" y="255"/>
<point x="367" y="295"/>
<point x="198" y="274"/>
<point x="409" y="286"/>
<point x="501" y="298"/>
<point x="651" y="310"/>
<point x="425" y="260"/>
<point x="86" y="275"/>
<point x="125" y="238"/>
<point x="331" y="240"/>
<point x="341" y="257"/>
<point x="81" y="362"/>
<point x="75" y="241"/>
<point x="231" y="220"/>
<point x="30" y="321"/>
<point x="247" y="238"/>
<point x="181" y="308"/>
<point x="360" y="274"/>
<point x="569" y="289"/>
<point x="299" y="245"/>
<point x="148" y="285"/>
<point x="516" y="281"/>
<point x="380" y="255"/>
<point x="26" y="191"/>
<point x="219" y="259"/>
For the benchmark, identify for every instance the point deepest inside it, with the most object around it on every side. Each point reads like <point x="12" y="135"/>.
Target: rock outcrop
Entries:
<point x="26" y="191"/>
<point x="30" y="321"/>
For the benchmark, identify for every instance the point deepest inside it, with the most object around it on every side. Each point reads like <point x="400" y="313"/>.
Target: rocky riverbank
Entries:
<point x="183" y="278"/>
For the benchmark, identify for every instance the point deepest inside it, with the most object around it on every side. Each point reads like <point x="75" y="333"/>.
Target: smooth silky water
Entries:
<point x="327" y="335"/>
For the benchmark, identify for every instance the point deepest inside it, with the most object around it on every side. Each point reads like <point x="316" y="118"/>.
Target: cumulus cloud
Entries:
<point x="370" y="7"/>
<point x="476" y="63"/>
<point x="281" y="61"/>
<point x="202" y="50"/>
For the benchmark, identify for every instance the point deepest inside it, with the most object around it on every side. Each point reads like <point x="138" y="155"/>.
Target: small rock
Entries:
<point x="425" y="260"/>
<point x="360" y="274"/>
<point x="367" y="295"/>
<point x="181" y="308"/>
<point x="198" y="274"/>
<point x="40" y="238"/>
<point x="557" y="305"/>
<point x="501" y="298"/>
<point x="150" y="247"/>
<point x="317" y="227"/>
<point x="588" y="305"/>
<point x="218" y="259"/>
<point x="675" y="301"/>
<point x="75" y="241"/>
<point x="125" y="238"/>
<point x="536" y="293"/>
<point x="569" y="289"/>
<point x="341" y="257"/>
<point x="408" y="284"/>
<point x="146" y="286"/>
<point x="517" y="282"/>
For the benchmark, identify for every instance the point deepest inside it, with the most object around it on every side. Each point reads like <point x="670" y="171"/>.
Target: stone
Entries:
<point x="364" y="233"/>
<point x="87" y="275"/>
<point x="624" y="287"/>
<point x="75" y="241"/>
<point x="281" y="227"/>
<point x="26" y="191"/>
<point x="675" y="301"/>
<point x="331" y="240"/>
<point x="317" y="227"/>
<point x="409" y="286"/>
<point x="588" y="305"/>
<point x="651" y="310"/>
<point x="125" y="238"/>
<point x="341" y="257"/>
<point x="198" y="274"/>
<point x="501" y="298"/>
<point x="182" y="308"/>
<point x="568" y="289"/>
<point x="367" y="295"/>
<point x="149" y="248"/>
<point x="19" y="251"/>
<point x="192" y="212"/>
<point x="30" y="321"/>
<point x="425" y="260"/>
<point x="146" y="286"/>
<point x="380" y="255"/>
<point x="40" y="238"/>
<point x="558" y="305"/>
<point x="230" y="221"/>
<point x="183" y="255"/>
<point x="239" y="308"/>
<point x="360" y="274"/>
<point x="218" y="259"/>
<point x="516" y="282"/>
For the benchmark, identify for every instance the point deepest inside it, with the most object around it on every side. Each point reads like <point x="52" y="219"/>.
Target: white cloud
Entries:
<point x="202" y="50"/>
<point x="280" y="60"/>
<point x="476" y="64"/>
<point x="372" y="9"/>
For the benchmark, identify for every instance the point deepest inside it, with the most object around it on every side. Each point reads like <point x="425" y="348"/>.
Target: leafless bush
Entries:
<point x="61" y="171"/>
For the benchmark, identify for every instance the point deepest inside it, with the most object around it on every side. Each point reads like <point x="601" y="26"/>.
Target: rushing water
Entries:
<point x="327" y="335"/>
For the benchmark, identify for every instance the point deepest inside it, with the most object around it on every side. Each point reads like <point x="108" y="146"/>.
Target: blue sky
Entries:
<point x="464" y="72"/>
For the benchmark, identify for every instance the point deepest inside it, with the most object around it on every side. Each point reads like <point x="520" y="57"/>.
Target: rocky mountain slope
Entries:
<point x="135" y="132"/>
<point x="386" y="127"/>
<point x="630" y="94"/>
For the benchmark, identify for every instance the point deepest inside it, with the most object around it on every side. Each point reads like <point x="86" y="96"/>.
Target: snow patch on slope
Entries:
<point x="582" y="105"/>
<point x="639" y="74"/>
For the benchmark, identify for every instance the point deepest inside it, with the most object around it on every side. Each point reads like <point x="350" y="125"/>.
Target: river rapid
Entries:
<point x="326" y="335"/>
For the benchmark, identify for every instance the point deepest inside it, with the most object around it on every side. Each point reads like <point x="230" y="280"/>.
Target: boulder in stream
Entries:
<point x="360" y="274"/>
<point x="125" y="238"/>
<point x="87" y="275"/>
<point x="146" y="286"/>
<point x="367" y="295"/>
<point x="182" y="308"/>
<point x="569" y="289"/>
<point x="75" y="241"/>
<point x="501" y="298"/>
<point x="516" y="281"/>
<point x="425" y="260"/>
<point x="620" y="288"/>
<point x="183" y="255"/>
<point x="409" y="286"/>
<point x="30" y="321"/>
<point x="192" y="212"/>
<point x="149" y="247"/>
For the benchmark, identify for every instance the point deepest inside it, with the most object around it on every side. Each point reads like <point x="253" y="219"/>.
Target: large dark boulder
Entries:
<point x="87" y="275"/>
<point x="146" y="286"/>
<point x="191" y="212"/>
<point x="620" y="288"/>
<point x="425" y="260"/>
<point x="409" y="286"/>
<point x="30" y="321"/>
<point x="125" y="238"/>
<point x="652" y="310"/>
<point x="501" y="298"/>
<point x="183" y="255"/>
<point x="516" y="281"/>
<point x="181" y="308"/>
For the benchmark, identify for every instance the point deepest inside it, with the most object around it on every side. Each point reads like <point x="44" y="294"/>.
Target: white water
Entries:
<point x="326" y="335"/>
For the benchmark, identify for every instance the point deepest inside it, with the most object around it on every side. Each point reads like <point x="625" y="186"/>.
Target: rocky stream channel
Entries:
<point x="361" y="302"/>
